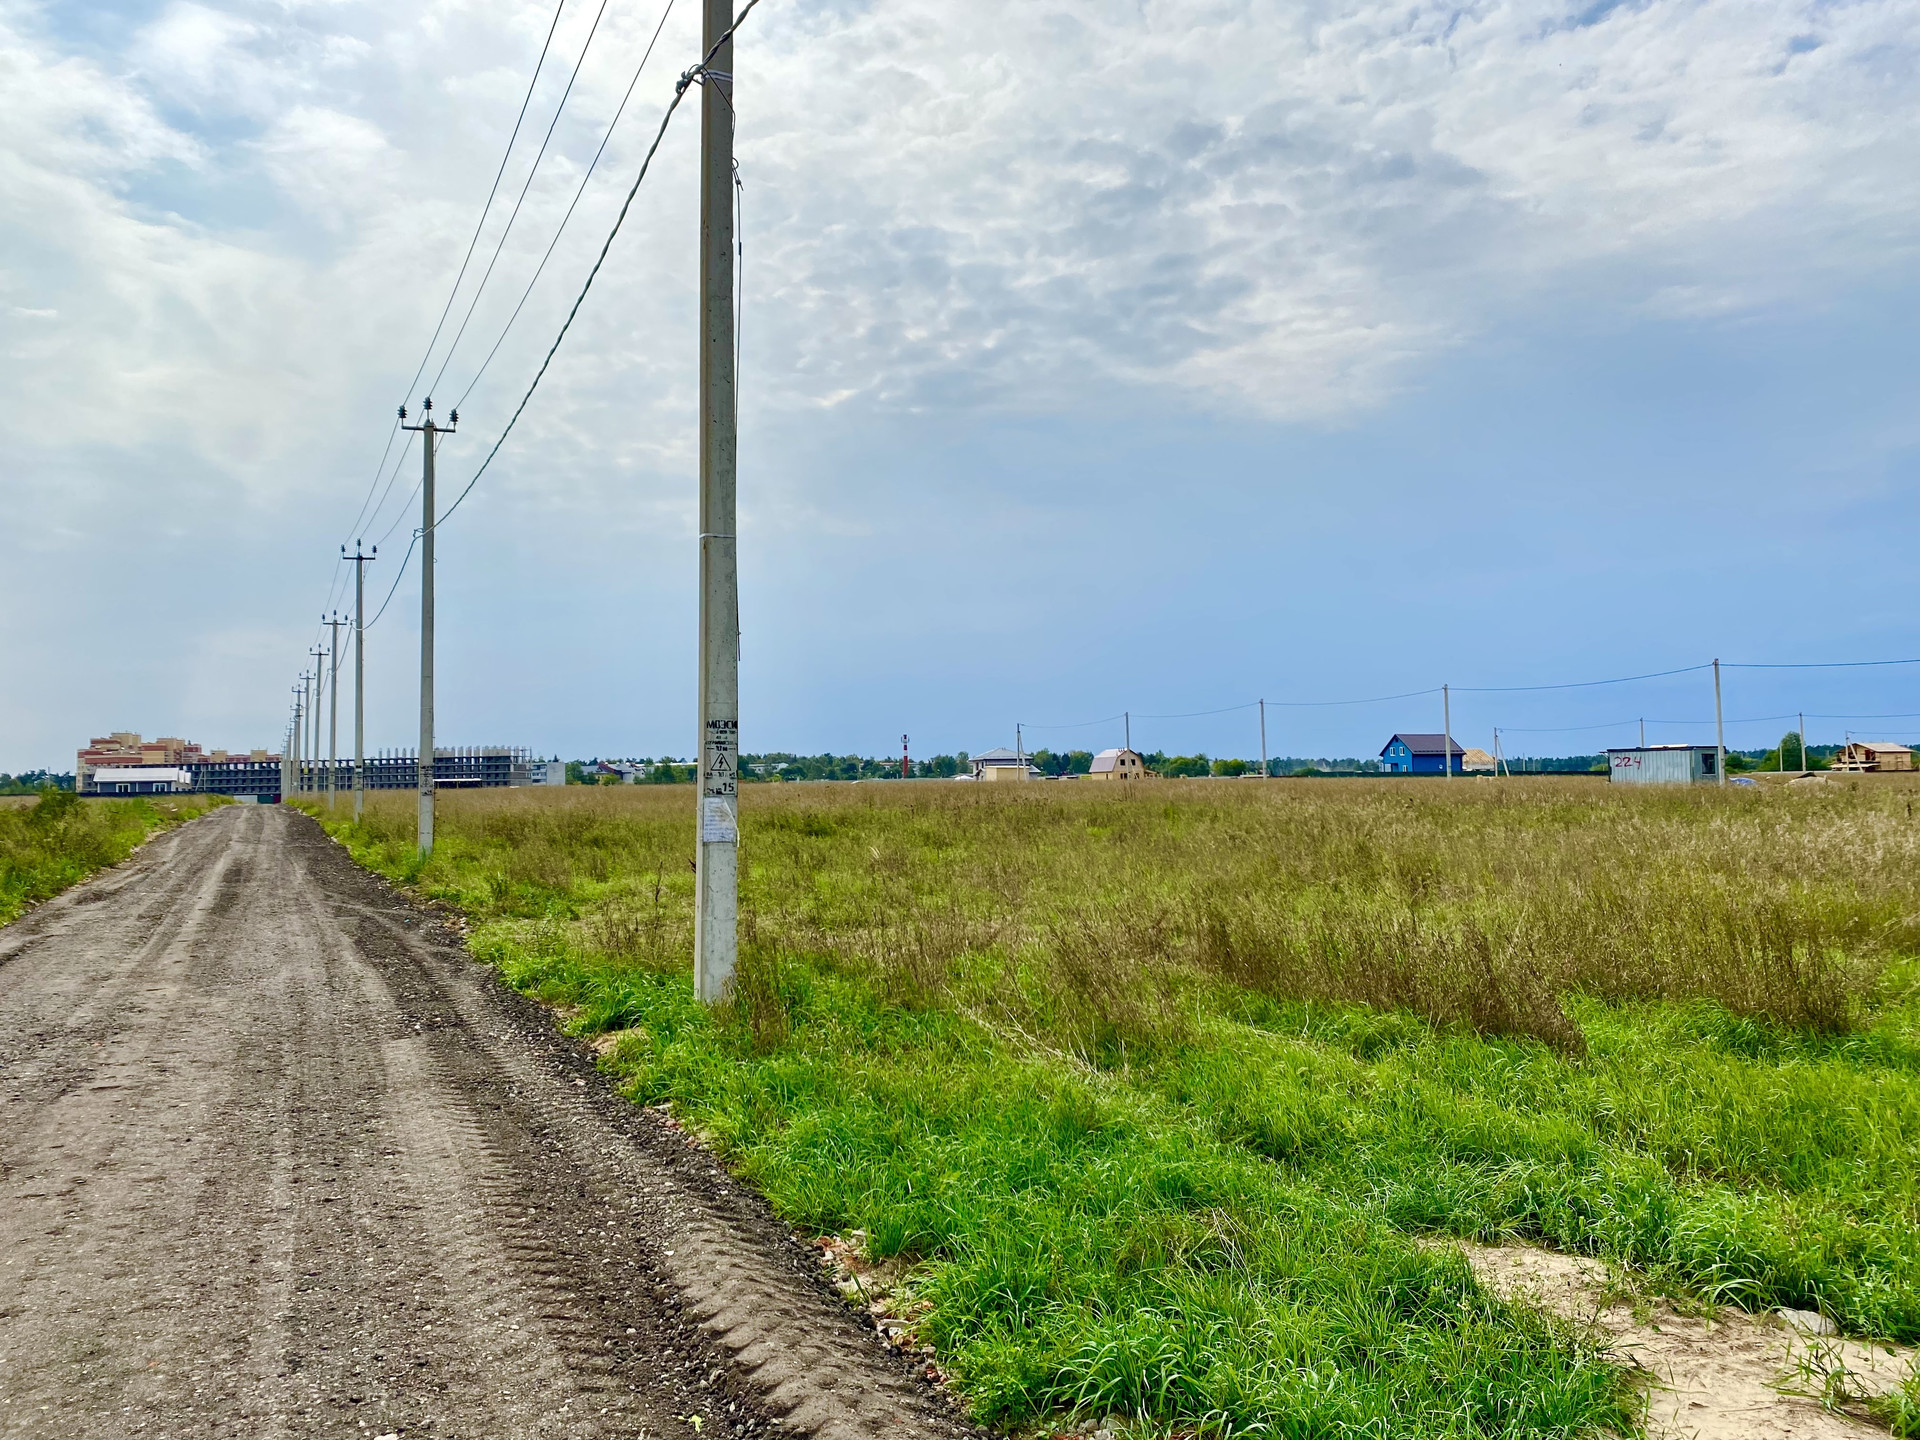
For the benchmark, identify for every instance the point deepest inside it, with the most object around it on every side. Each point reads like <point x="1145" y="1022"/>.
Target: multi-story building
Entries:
<point x="259" y="773"/>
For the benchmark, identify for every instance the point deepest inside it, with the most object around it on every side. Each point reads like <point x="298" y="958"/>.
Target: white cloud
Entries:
<point x="242" y="222"/>
<point x="1273" y="207"/>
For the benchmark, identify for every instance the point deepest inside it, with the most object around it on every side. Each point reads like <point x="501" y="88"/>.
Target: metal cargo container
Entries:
<point x="1663" y="765"/>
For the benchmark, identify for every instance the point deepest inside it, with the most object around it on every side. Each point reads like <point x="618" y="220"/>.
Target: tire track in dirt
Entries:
<point x="279" y="1159"/>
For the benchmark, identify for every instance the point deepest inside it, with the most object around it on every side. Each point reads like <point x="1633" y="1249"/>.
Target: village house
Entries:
<point x="1864" y="756"/>
<point x="1119" y="764"/>
<point x="1003" y="764"/>
<point x="1419" y="755"/>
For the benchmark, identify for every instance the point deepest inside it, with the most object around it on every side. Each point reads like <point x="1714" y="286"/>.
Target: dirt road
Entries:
<point x="278" y="1158"/>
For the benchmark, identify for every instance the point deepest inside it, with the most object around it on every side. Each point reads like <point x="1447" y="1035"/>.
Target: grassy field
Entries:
<point x="59" y="839"/>
<point x="1158" y="1094"/>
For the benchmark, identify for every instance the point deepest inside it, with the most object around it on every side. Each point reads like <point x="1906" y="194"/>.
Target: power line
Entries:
<point x="1324" y="704"/>
<point x="1816" y="665"/>
<point x="1076" y="724"/>
<point x="679" y="93"/>
<point x="591" y="165"/>
<point x="1577" y="684"/>
<point x="399" y="515"/>
<point x="478" y="227"/>
<point x="501" y="245"/>
<point x="491" y="192"/>
<point x="392" y="478"/>
<point x="396" y="582"/>
<point x="378" y="470"/>
<point x="1195" y="714"/>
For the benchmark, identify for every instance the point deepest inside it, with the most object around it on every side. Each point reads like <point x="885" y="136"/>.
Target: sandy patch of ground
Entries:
<point x="1718" y="1377"/>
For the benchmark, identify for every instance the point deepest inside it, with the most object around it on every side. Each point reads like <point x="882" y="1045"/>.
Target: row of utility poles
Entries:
<point x="1446" y="735"/>
<point x="718" y="826"/>
<point x="303" y="733"/>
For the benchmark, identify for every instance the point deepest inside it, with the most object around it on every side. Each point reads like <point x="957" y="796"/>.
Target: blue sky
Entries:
<point x="1098" y="356"/>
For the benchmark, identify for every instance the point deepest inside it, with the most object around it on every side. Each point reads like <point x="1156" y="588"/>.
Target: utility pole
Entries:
<point x="1719" y="728"/>
<point x="1446" y="727"/>
<point x="290" y="756"/>
<point x="717" y="872"/>
<point x="299" y="733"/>
<point x="1128" y="717"/>
<point x="319" y="653"/>
<point x="423" y="765"/>
<point x="333" y="701"/>
<point x="1019" y="744"/>
<point x="1264" y="771"/>
<point x="906" y="765"/>
<point x="1805" y="768"/>
<point x="359" y="675"/>
<point x="1643" y="732"/>
<point x="1497" y="757"/>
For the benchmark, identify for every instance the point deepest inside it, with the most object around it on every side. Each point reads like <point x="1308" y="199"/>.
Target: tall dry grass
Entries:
<point x="1087" y="915"/>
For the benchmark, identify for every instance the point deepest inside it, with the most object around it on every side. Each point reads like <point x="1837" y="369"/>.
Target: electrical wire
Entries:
<point x="401" y="514"/>
<point x="378" y="470"/>
<point x="1074" y="725"/>
<point x="363" y="514"/>
<point x="1576" y="684"/>
<point x="1372" y="700"/>
<point x="1816" y="665"/>
<point x="501" y="244"/>
<point x="398" y="465"/>
<point x="582" y="190"/>
<point x="697" y="72"/>
<point x="487" y="208"/>
<point x="396" y="582"/>
<point x="1195" y="714"/>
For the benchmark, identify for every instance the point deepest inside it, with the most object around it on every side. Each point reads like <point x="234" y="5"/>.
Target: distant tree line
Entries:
<point x="32" y="782"/>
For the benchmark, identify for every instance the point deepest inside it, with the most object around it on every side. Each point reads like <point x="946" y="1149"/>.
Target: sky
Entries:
<point x="1099" y="357"/>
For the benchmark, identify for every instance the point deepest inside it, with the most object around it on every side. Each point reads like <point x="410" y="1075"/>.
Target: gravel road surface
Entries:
<point x="278" y="1158"/>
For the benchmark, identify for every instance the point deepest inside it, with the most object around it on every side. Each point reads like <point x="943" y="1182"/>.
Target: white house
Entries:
<point x="1003" y="764"/>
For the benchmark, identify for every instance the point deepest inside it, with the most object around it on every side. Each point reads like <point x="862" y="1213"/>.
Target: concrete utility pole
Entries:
<point x="333" y="701"/>
<point x="319" y="653"/>
<point x="423" y="764"/>
<point x="290" y="754"/>
<point x="717" y="872"/>
<point x="359" y="675"/>
<point x="299" y="731"/>
<point x="1263" y="741"/>
<point x="1805" y="768"/>
<point x="1446" y="728"/>
<point x="1719" y="728"/>
<point x="1127" y="716"/>
<point x="1643" y="733"/>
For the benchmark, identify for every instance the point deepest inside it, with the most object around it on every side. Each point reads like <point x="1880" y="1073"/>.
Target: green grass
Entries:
<point x="60" y="839"/>
<point x="1160" y="1094"/>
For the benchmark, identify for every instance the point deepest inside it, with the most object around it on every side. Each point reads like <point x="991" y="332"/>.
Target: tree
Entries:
<point x="1184" y="765"/>
<point x="1232" y="767"/>
<point x="1069" y="762"/>
<point x="1790" y="746"/>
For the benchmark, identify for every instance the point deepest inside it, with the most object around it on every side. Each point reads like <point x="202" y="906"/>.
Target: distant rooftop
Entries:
<point x="1426" y="744"/>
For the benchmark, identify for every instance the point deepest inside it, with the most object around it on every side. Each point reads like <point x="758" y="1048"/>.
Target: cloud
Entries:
<point x="1277" y="209"/>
